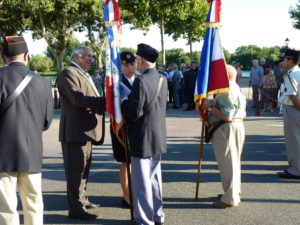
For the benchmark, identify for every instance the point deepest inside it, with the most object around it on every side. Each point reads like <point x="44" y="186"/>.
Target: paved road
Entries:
<point x="266" y="199"/>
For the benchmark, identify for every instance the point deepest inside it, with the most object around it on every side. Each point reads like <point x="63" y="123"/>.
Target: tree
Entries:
<point x="74" y="43"/>
<point x="12" y="18"/>
<point x="93" y="22"/>
<point x="295" y="15"/>
<point x="142" y="14"/>
<point x="190" y="23"/>
<point x="40" y="63"/>
<point x="54" y="21"/>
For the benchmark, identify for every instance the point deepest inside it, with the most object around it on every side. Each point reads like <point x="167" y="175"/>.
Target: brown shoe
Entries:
<point x="223" y="205"/>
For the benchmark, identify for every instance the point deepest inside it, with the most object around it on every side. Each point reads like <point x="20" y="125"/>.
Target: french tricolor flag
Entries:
<point x="212" y="75"/>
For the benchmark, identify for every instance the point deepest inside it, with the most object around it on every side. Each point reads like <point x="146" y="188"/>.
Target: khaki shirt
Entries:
<point x="231" y="104"/>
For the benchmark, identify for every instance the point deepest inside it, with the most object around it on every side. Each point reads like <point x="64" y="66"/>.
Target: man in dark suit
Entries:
<point x="80" y="125"/>
<point x="128" y="67"/>
<point x="147" y="136"/>
<point x="21" y="127"/>
<point x="189" y="77"/>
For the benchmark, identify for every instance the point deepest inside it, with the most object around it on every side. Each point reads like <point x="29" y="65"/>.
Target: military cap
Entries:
<point x="147" y="52"/>
<point x="14" y="45"/>
<point x="127" y="57"/>
<point x="292" y="54"/>
<point x="193" y="61"/>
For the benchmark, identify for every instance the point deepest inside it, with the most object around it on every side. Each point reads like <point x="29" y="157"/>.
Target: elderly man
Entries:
<point x="146" y="108"/>
<point x="291" y="113"/>
<point x="80" y="125"/>
<point x="228" y="139"/>
<point x="21" y="126"/>
<point x="256" y="73"/>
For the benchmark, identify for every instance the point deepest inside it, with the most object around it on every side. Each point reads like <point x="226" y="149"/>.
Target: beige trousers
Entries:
<point x="291" y="117"/>
<point x="29" y="185"/>
<point x="227" y="143"/>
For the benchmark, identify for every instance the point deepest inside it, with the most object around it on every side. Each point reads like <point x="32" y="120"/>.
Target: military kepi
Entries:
<point x="147" y="52"/>
<point x="14" y="45"/>
<point x="127" y="57"/>
<point x="292" y="54"/>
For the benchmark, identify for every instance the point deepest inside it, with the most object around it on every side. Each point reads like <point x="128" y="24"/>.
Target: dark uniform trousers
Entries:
<point x="77" y="160"/>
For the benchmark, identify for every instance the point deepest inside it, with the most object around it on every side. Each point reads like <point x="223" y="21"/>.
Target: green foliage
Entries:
<point x="189" y="23"/>
<point x="40" y="63"/>
<point x="92" y="21"/>
<point x="144" y="13"/>
<point x="68" y="51"/>
<point x="295" y="15"/>
<point x="245" y="54"/>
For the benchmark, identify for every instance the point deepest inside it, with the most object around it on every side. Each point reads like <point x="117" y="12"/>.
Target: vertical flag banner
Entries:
<point x="113" y="67"/>
<point x="212" y="74"/>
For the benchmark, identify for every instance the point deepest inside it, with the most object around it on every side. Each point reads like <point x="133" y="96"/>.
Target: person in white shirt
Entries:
<point x="290" y="100"/>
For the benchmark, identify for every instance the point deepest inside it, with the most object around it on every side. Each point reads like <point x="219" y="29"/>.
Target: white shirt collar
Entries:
<point x="130" y="80"/>
<point x="79" y="67"/>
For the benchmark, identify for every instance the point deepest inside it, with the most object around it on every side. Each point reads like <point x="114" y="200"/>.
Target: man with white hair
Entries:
<point x="228" y="139"/>
<point x="80" y="125"/>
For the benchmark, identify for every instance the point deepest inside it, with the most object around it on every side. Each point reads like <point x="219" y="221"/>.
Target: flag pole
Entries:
<point x="200" y="157"/>
<point x="128" y="170"/>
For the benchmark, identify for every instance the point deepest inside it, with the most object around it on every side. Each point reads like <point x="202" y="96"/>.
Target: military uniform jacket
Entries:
<point x="22" y="124"/>
<point x="147" y="136"/>
<point x="81" y="108"/>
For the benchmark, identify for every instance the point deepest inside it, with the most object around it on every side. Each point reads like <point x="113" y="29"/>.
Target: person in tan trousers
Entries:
<point x="228" y="140"/>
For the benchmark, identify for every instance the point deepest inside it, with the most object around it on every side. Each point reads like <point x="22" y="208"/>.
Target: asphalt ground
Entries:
<point x="266" y="198"/>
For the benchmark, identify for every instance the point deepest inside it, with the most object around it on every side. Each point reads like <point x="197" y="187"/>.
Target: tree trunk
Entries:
<point x="162" y="34"/>
<point x="191" y="50"/>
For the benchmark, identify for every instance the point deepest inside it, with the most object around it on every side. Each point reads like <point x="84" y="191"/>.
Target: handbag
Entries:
<point x="11" y="98"/>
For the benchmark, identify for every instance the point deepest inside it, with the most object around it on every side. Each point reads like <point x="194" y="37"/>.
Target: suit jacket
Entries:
<point x="81" y="108"/>
<point x="176" y="78"/>
<point x="147" y="135"/>
<point x="21" y="125"/>
<point x="190" y="77"/>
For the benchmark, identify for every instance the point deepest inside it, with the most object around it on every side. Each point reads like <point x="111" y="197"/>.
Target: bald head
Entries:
<point x="231" y="71"/>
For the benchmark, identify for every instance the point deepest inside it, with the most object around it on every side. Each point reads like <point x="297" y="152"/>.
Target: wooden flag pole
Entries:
<point x="200" y="157"/>
<point x="128" y="171"/>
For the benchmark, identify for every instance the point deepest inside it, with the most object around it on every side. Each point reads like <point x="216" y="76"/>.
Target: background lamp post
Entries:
<point x="287" y="42"/>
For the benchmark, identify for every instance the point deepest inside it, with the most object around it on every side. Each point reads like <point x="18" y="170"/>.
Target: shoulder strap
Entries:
<point x="288" y="75"/>
<point x="17" y="91"/>
<point x="156" y="94"/>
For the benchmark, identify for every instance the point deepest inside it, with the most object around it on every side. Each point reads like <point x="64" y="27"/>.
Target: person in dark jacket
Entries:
<point x="128" y="67"/>
<point x="21" y="127"/>
<point x="190" y="77"/>
<point x="147" y="137"/>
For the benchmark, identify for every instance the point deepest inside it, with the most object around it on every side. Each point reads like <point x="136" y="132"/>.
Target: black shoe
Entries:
<point x="92" y="206"/>
<point x="253" y="107"/>
<point x="175" y="107"/>
<point x="187" y="109"/>
<point x="157" y="223"/>
<point x="83" y="216"/>
<point x="288" y="175"/>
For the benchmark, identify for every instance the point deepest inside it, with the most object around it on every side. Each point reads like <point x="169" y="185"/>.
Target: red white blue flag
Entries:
<point x="212" y="75"/>
<point x="113" y="67"/>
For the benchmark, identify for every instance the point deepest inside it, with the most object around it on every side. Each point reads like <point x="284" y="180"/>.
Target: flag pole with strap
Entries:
<point x="212" y="75"/>
<point x="113" y="78"/>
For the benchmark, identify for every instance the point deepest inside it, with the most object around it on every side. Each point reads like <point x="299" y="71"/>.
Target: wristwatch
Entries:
<point x="209" y="109"/>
